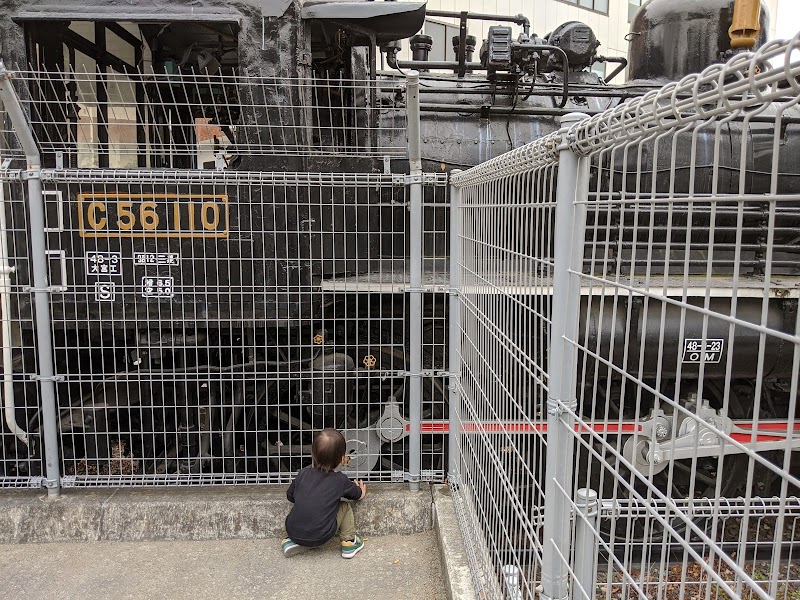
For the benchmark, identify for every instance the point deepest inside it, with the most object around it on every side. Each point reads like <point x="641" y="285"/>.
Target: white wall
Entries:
<point x="787" y="23"/>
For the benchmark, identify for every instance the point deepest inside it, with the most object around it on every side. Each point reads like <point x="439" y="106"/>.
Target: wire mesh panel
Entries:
<point x="689" y="341"/>
<point x="208" y="313"/>
<point x="207" y="323"/>
<point x="164" y="120"/>
<point x="506" y="209"/>
<point x="20" y="440"/>
<point x="644" y="303"/>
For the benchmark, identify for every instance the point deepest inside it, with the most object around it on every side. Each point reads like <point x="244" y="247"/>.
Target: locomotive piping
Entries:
<point x="9" y="408"/>
<point x="391" y="60"/>
<point x="521" y="20"/>
<point x="7" y="396"/>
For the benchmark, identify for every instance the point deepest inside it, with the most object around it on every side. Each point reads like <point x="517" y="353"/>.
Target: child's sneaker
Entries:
<point x="290" y="548"/>
<point x="350" y="549"/>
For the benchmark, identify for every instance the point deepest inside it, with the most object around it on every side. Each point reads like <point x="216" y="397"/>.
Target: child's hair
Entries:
<point x="327" y="450"/>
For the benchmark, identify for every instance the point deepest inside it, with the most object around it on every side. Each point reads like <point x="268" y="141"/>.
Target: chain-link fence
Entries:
<point x="628" y="346"/>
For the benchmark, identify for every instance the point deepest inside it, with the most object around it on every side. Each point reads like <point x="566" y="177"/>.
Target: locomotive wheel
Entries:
<point x="370" y="452"/>
<point x="678" y="482"/>
<point x="394" y="454"/>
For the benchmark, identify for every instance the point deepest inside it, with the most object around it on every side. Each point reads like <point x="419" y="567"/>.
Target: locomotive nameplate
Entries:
<point x="105" y="291"/>
<point x="697" y="350"/>
<point x="119" y="215"/>
<point x="158" y="287"/>
<point x="169" y="259"/>
<point x="104" y="263"/>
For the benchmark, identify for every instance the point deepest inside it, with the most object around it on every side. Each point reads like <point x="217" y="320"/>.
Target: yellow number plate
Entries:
<point x="153" y="215"/>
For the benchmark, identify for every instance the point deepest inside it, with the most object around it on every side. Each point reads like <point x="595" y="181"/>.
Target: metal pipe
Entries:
<point x="7" y="398"/>
<point x="433" y="64"/>
<point x="623" y="92"/>
<point x="586" y="542"/>
<point x="454" y="345"/>
<point x="570" y="221"/>
<point x="518" y="19"/>
<point x="501" y="110"/>
<point x="392" y="61"/>
<point x="564" y="66"/>
<point x="537" y="91"/>
<point x="622" y="63"/>
<point x="41" y="285"/>
<point x="461" y="53"/>
<point x="745" y="27"/>
<point x="699" y="508"/>
<point x="415" y="280"/>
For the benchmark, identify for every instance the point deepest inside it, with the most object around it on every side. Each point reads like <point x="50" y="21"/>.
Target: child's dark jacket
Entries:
<point x="316" y="496"/>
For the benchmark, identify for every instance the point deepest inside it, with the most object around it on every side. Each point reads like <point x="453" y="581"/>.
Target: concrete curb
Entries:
<point x="200" y="513"/>
<point x="455" y="567"/>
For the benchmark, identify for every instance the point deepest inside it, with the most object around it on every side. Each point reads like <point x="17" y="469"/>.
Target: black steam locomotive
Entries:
<point x="199" y="306"/>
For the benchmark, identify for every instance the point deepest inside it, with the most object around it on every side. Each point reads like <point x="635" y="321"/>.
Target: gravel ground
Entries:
<point x="389" y="567"/>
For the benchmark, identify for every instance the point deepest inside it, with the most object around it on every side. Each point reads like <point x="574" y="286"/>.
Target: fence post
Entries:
<point x="415" y="280"/>
<point x="568" y="235"/>
<point x="585" y="557"/>
<point x="41" y="286"/>
<point x="511" y="577"/>
<point x="454" y="341"/>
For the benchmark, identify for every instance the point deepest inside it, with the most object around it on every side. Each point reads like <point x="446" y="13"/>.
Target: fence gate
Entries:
<point x="628" y="347"/>
<point x="192" y="298"/>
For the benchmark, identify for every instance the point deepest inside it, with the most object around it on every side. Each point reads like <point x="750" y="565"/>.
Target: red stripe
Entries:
<point x="624" y="427"/>
<point x="521" y="427"/>
<point x="767" y="425"/>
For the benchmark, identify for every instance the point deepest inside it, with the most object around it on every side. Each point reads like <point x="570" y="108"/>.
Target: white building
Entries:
<point x="610" y="20"/>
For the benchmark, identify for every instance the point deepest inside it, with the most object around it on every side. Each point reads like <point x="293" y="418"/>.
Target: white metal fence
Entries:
<point x="182" y="311"/>
<point x="146" y="119"/>
<point x="626" y="334"/>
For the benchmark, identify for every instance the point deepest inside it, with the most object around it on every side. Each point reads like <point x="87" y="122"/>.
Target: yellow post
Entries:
<point x="745" y="27"/>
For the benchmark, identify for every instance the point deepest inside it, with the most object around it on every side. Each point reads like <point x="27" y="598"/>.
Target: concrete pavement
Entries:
<point x="392" y="567"/>
<point x="208" y="542"/>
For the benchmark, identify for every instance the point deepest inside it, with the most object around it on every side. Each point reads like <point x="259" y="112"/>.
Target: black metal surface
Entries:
<point x="461" y="56"/>
<point x="671" y="38"/>
<point x="365" y="21"/>
<point x="578" y="42"/>
<point x="496" y="50"/>
<point x="638" y="337"/>
<point x="421" y="46"/>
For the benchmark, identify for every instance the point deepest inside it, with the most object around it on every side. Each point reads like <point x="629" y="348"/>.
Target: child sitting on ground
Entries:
<point x="318" y="494"/>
